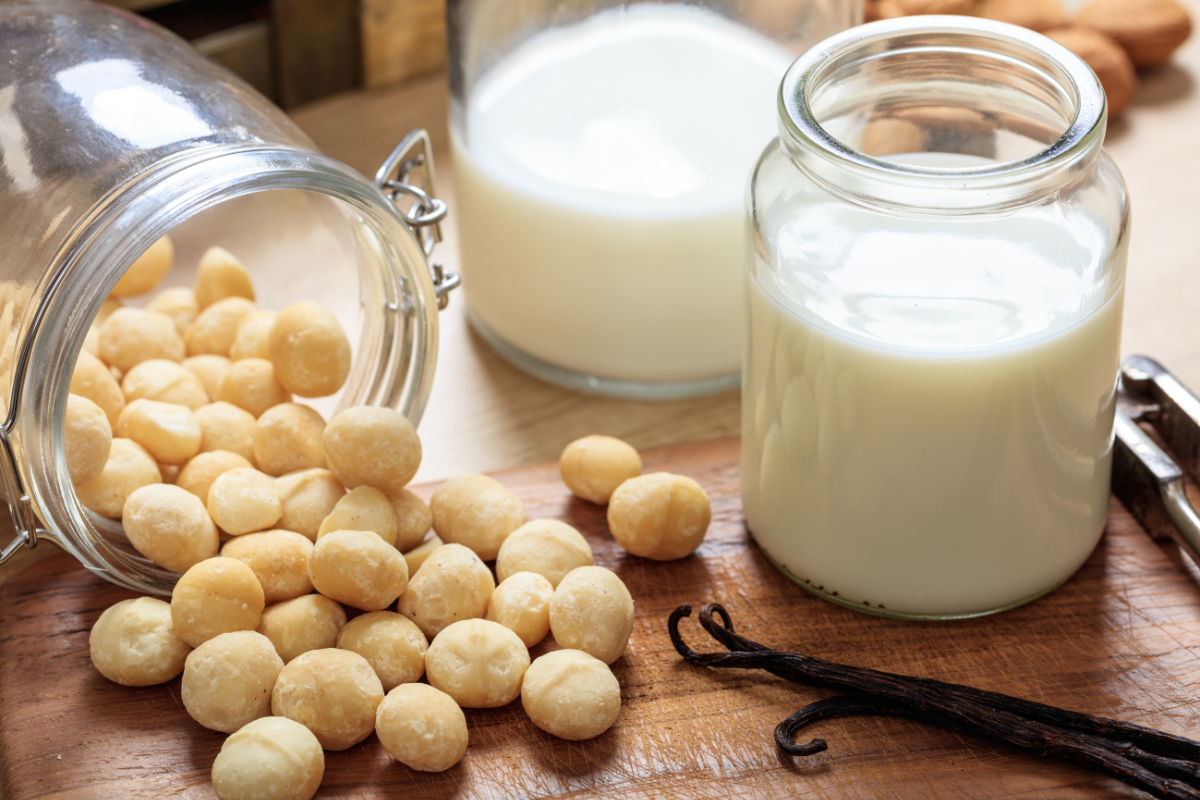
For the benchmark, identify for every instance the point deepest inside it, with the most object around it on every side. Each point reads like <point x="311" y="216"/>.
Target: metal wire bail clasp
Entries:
<point x="425" y="213"/>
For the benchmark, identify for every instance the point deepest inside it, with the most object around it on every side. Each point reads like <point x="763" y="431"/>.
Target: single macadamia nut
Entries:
<point x="228" y="680"/>
<point x="545" y="546"/>
<point x="476" y="511"/>
<point x="133" y="335"/>
<point x="197" y="475"/>
<point x="132" y="643"/>
<point x="306" y="623"/>
<point x="216" y="596"/>
<point x="169" y="526"/>
<point x="453" y="584"/>
<point x="148" y="270"/>
<point x="417" y="556"/>
<point x="659" y="516"/>
<point x="478" y="663"/>
<point x="169" y="432"/>
<point x="413" y="520"/>
<point x="571" y="695"/>
<point x="392" y="644"/>
<point x="244" y="500"/>
<point x="166" y="382"/>
<point x="224" y="426"/>
<point x="250" y="384"/>
<point x="308" y="497"/>
<point x="271" y="758"/>
<point x="592" y="611"/>
<point x="209" y="369"/>
<point x="221" y="275"/>
<point x="363" y="509"/>
<point x="1148" y="30"/>
<point x="250" y="340"/>
<point x="279" y="559"/>
<point x="334" y="693"/>
<point x="178" y="303"/>
<point x="594" y="466"/>
<point x="288" y="438"/>
<point x="216" y="326"/>
<point x="129" y="468"/>
<point x="93" y="380"/>
<point x="88" y="439"/>
<point x="1037" y="15"/>
<point x="369" y="446"/>
<point x="359" y="569"/>
<point x="423" y="728"/>
<point x="521" y="603"/>
<point x="310" y="351"/>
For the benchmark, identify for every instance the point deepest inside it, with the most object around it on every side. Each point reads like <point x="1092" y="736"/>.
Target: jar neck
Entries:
<point x="942" y="115"/>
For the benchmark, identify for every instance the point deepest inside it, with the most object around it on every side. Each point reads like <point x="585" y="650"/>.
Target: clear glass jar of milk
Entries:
<point x="935" y="271"/>
<point x="601" y="150"/>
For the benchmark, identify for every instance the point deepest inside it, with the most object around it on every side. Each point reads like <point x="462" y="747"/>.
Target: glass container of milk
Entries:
<point x="934" y="276"/>
<point x="601" y="149"/>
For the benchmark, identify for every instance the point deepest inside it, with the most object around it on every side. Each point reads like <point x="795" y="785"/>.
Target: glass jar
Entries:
<point x="114" y="132"/>
<point x="601" y="150"/>
<point x="935" y="271"/>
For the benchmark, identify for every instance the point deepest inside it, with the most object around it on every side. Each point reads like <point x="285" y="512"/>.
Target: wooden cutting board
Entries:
<point x="1119" y="639"/>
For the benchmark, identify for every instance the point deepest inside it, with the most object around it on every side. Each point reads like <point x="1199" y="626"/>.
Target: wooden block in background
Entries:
<point x="402" y="39"/>
<point x="317" y="49"/>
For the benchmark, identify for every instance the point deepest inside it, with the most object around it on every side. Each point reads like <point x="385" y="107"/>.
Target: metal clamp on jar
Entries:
<point x="116" y="132"/>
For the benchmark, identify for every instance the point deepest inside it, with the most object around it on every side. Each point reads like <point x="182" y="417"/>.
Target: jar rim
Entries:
<point x="904" y="186"/>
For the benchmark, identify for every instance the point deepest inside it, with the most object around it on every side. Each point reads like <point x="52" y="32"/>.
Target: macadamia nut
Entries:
<point x="521" y="603"/>
<point x="169" y="432"/>
<point x="279" y="559"/>
<point x="659" y="516"/>
<point x="132" y="643"/>
<point x="392" y="644"/>
<point x="308" y="497"/>
<point x="594" y="466"/>
<point x="178" y="303"/>
<point x="227" y="681"/>
<point x="310" y="352"/>
<point x="92" y="379"/>
<point x="216" y="596"/>
<point x="271" y="758"/>
<point x="216" y="326"/>
<point x="166" y="382"/>
<point x="147" y="270"/>
<point x="250" y="339"/>
<point x="197" y="475"/>
<point x="545" y="546"/>
<point x="224" y="426"/>
<point x="423" y="728"/>
<point x="369" y="446"/>
<point x="453" y="584"/>
<point x="359" y="569"/>
<point x="571" y="695"/>
<point x="169" y="526"/>
<point x="311" y="622"/>
<point x="592" y="611"/>
<point x="363" y="509"/>
<point x="478" y="663"/>
<point x="288" y="438"/>
<point x="209" y="369"/>
<point x="413" y="520"/>
<point x="220" y="275"/>
<point x="476" y="511"/>
<point x="334" y="693"/>
<point x="244" y="500"/>
<point x="129" y="468"/>
<point x="133" y="335"/>
<point x="87" y="437"/>
<point x="250" y="384"/>
<point x="417" y="556"/>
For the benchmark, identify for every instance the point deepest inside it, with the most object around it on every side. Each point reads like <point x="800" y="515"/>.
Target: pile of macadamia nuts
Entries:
<point x="285" y="635"/>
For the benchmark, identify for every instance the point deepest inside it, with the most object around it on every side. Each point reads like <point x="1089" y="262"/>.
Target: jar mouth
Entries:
<point x="953" y="114"/>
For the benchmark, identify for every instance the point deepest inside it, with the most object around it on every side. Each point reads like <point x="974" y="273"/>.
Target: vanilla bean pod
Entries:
<point x="1142" y="757"/>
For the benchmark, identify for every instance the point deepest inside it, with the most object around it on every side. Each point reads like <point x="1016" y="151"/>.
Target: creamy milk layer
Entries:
<point x="927" y="421"/>
<point x="600" y="191"/>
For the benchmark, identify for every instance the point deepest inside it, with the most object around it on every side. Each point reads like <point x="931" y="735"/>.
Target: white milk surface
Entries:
<point x="600" y="191"/>
<point x="927" y="417"/>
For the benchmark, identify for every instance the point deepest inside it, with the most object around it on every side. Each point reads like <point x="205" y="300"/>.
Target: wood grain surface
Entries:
<point x="1118" y="639"/>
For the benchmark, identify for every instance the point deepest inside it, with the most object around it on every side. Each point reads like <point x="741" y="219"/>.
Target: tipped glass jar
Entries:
<point x="935" y="273"/>
<point x="114" y="132"/>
